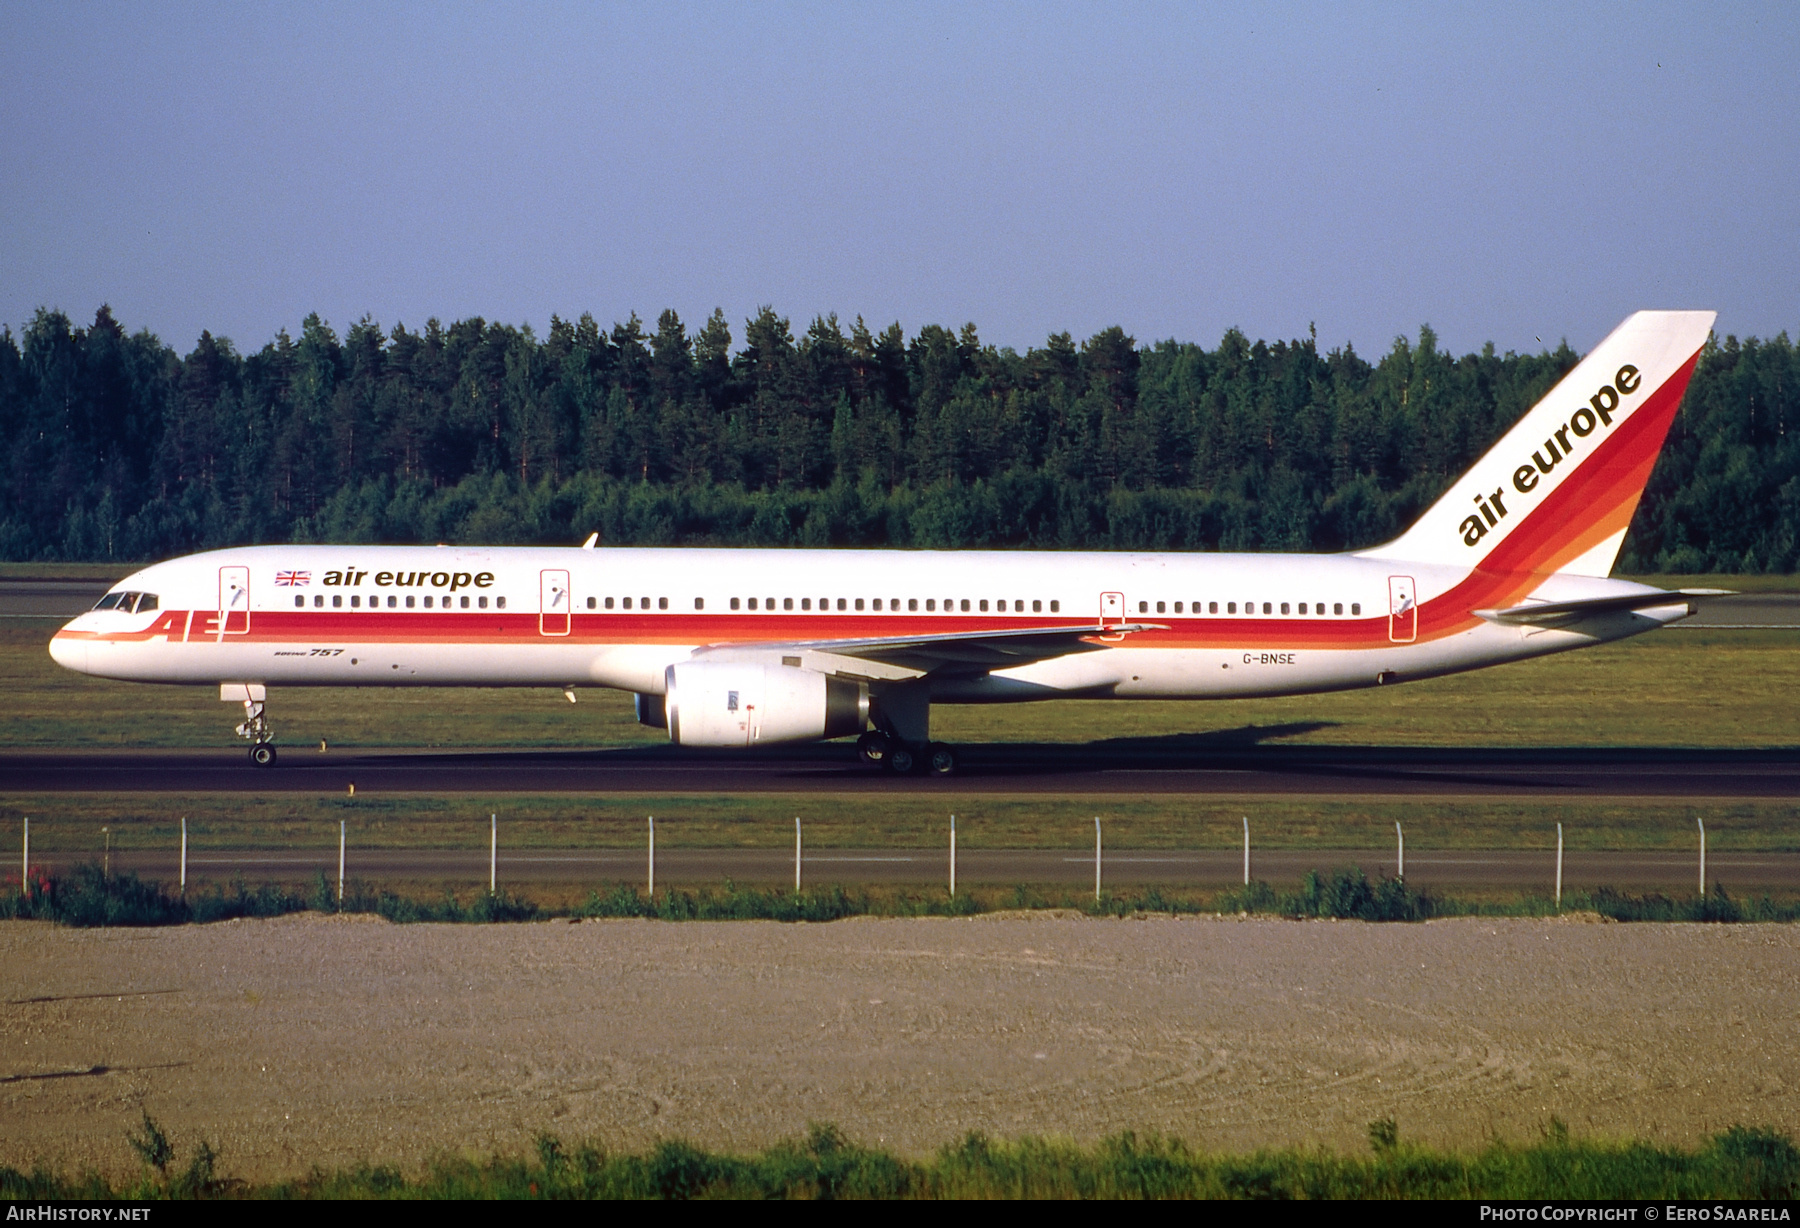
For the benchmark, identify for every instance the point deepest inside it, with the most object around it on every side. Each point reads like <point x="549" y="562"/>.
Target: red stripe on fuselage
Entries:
<point x="333" y="627"/>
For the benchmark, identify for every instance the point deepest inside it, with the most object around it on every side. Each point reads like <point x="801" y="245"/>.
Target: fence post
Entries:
<point x="796" y="854"/>
<point x="1246" y="850"/>
<point x="1096" y="859"/>
<point x="953" y="856"/>
<point x="184" y="854"/>
<point x="341" y="825"/>
<point x="493" y="850"/>
<point x="1702" y="823"/>
<point x="25" y="862"/>
<point x="1400" y="869"/>
<point x="652" y="857"/>
<point x="1559" y="867"/>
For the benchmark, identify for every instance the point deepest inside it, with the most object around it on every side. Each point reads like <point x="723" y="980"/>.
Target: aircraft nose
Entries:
<point x="69" y="652"/>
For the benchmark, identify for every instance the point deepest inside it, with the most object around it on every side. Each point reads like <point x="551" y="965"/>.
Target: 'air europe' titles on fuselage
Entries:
<point x="351" y="577"/>
<point x="1583" y="422"/>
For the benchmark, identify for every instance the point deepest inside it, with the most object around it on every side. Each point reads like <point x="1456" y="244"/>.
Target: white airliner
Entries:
<point x="748" y="647"/>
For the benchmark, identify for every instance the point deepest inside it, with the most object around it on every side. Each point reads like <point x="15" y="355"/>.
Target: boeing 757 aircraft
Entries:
<point x="749" y="647"/>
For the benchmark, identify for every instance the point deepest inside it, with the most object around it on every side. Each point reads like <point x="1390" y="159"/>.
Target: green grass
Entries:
<point x="1738" y="1163"/>
<point x="88" y="897"/>
<point x="1688" y="688"/>
<point x="72" y="823"/>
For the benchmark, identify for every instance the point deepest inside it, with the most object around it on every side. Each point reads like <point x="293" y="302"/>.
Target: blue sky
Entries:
<point x="1503" y="173"/>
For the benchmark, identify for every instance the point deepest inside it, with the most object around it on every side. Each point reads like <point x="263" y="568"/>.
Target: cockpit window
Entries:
<point x="125" y="603"/>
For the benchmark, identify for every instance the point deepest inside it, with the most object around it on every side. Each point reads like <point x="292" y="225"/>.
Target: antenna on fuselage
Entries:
<point x="592" y="541"/>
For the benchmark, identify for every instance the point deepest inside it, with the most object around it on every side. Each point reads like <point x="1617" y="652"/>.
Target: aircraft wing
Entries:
<point x="1556" y="613"/>
<point x="952" y="653"/>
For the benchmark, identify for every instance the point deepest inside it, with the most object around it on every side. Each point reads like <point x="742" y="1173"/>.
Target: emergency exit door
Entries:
<point x="1403" y="610"/>
<point x="553" y="603"/>
<point x="1112" y="611"/>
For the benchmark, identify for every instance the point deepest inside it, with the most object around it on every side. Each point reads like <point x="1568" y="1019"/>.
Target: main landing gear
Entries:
<point x="878" y="749"/>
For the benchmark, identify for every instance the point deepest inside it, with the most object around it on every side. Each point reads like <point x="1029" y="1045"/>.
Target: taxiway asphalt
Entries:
<point x="1196" y="764"/>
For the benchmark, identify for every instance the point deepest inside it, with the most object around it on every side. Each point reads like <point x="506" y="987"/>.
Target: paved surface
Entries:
<point x="1175" y="764"/>
<point x="62" y="599"/>
<point x="1637" y="870"/>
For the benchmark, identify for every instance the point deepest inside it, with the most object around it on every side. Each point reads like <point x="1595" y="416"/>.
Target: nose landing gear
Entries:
<point x="255" y="727"/>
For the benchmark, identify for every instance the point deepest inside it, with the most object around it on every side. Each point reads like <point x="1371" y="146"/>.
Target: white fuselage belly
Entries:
<point x="522" y="616"/>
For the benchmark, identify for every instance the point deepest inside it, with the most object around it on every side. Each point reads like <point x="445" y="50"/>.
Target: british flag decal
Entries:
<point x="288" y="579"/>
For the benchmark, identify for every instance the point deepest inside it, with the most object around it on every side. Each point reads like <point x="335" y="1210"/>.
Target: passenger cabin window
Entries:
<point x="1284" y="607"/>
<point x="662" y="603"/>
<point x="427" y="602"/>
<point x="806" y="603"/>
<point x="628" y="603"/>
<point x="500" y="603"/>
<point x="1337" y="607"/>
<point x="787" y="603"/>
<point x="1055" y="606"/>
<point x="859" y="603"/>
<point x="409" y="602"/>
<point x="931" y="605"/>
<point x="1266" y="609"/>
<point x="752" y="603"/>
<point x="965" y="605"/>
<point x="699" y="603"/>
<point x="912" y="603"/>
<point x="1355" y="607"/>
<point x="299" y="602"/>
<point x="592" y="602"/>
<point x="734" y="603"/>
<point x="1037" y="607"/>
<point x="480" y="602"/>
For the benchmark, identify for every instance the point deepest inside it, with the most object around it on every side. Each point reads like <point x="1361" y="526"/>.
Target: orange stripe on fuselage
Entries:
<point x="333" y="627"/>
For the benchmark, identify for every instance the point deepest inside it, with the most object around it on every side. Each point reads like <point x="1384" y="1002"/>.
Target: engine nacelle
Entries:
<point x="743" y="703"/>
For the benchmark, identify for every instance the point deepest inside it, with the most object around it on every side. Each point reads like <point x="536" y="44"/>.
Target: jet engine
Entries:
<point x="747" y="703"/>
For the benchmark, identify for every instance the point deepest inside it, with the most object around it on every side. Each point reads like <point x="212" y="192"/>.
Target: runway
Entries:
<point x="1636" y="870"/>
<point x="1222" y="764"/>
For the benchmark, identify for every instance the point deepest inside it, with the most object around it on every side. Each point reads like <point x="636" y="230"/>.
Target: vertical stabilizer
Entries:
<point x="1557" y="493"/>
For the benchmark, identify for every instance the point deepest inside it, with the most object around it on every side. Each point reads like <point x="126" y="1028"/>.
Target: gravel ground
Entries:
<point x="313" y="1040"/>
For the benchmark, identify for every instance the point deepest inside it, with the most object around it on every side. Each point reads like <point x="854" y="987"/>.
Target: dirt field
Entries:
<point x="311" y="1040"/>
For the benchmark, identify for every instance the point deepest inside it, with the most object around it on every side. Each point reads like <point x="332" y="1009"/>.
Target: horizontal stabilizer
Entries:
<point x="1558" y="613"/>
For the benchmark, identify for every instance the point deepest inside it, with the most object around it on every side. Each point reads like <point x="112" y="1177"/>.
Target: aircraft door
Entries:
<point x="553" y="603"/>
<point x="234" y="602"/>
<point x="1112" y="611"/>
<point x="1403" y="610"/>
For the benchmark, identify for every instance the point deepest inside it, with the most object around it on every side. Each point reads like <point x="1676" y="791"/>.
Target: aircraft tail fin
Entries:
<point x="1558" y="491"/>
